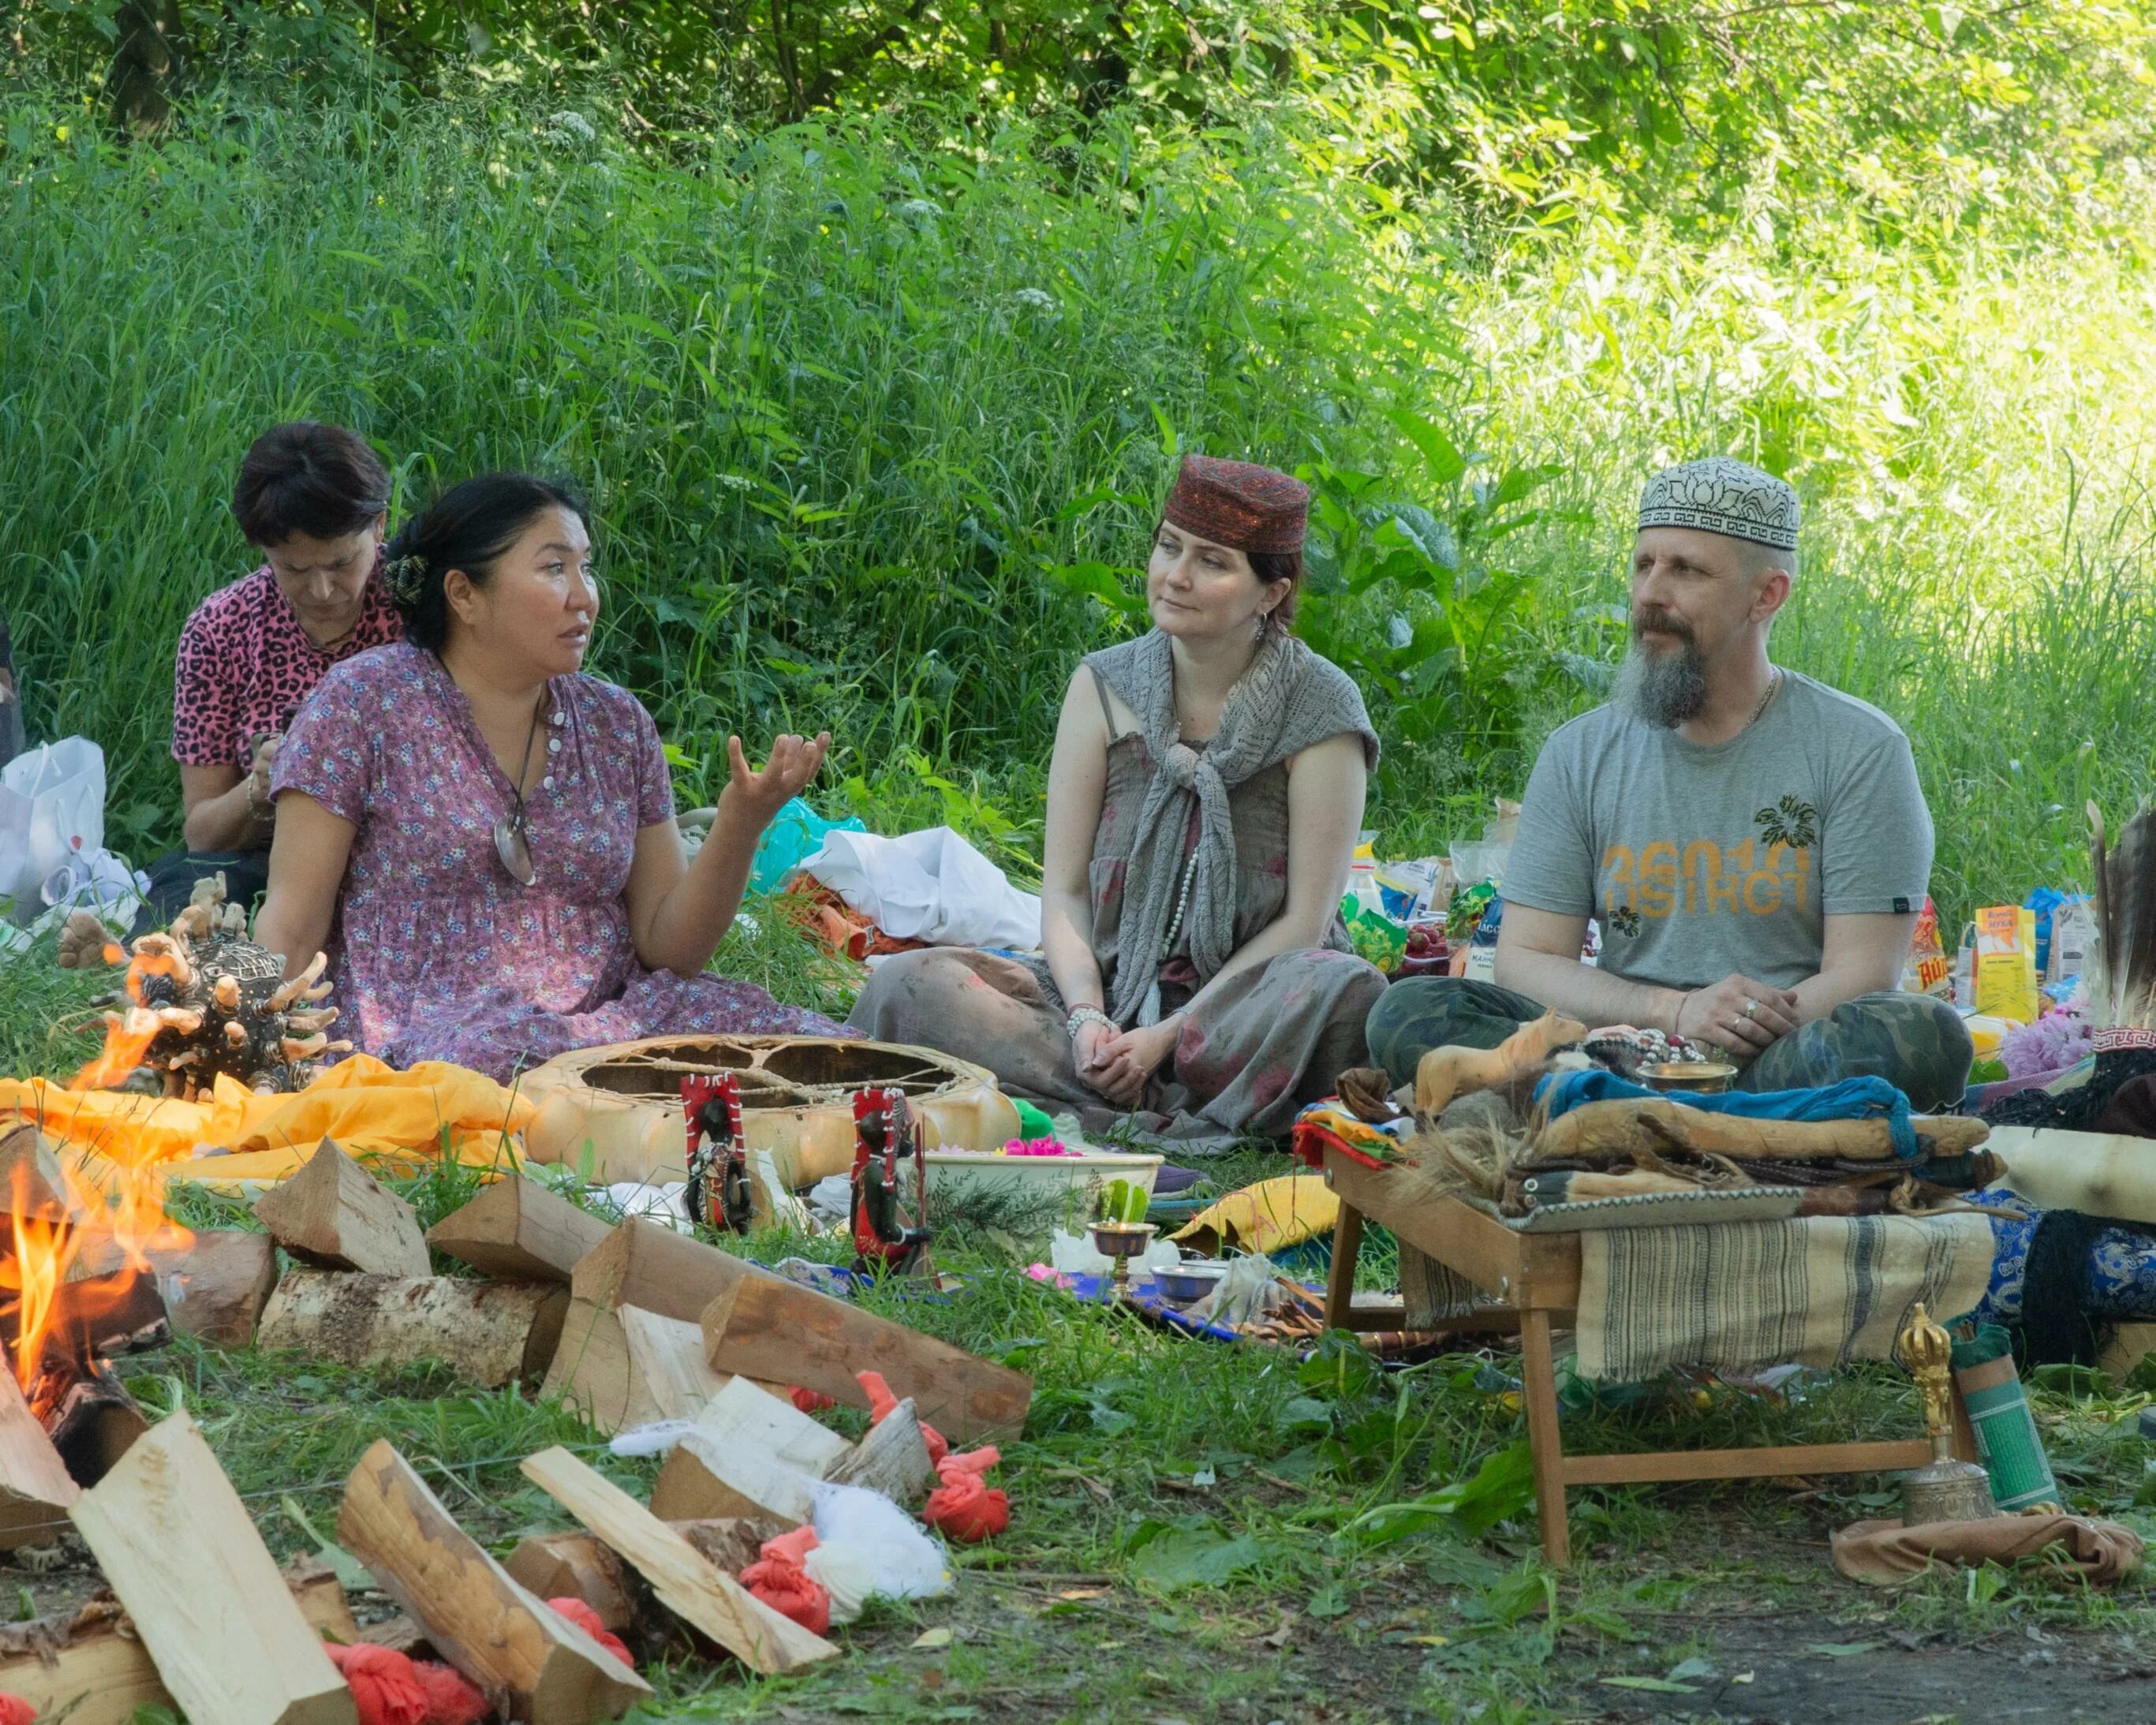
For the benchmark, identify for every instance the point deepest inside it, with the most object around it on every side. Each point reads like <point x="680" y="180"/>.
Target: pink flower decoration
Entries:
<point x="1036" y="1147"/>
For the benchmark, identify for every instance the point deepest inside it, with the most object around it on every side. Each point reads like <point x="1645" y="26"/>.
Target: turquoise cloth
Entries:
<point x="1852" y="1098"/>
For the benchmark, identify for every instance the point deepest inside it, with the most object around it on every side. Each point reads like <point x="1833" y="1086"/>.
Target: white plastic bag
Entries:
<point x="52" y="810"/>
<point x="930" y="887"/>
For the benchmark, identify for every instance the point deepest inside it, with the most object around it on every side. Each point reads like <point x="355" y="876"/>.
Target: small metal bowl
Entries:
<point x="1187" y="1282"/>
<point x="1697" y="1078"/>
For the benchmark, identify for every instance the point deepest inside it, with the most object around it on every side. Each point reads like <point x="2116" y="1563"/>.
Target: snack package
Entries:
<point x="2006" y="963"/>
<point x="1927" y="970"/>
<point x="2073" y="940"/>
<point x="1407" y="890"/>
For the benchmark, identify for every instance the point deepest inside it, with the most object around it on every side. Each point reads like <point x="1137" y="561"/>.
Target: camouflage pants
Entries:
<point x="1916" y="1043"/>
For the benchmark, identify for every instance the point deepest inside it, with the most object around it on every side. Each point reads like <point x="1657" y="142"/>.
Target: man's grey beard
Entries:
<point x="1665" y="689"/>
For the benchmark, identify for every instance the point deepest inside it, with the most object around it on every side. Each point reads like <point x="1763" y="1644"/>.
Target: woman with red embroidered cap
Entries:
<point x="1203" y="802"/>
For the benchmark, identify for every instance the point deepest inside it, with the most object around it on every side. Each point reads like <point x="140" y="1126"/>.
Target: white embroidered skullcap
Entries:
<point x="1721" y="494"/>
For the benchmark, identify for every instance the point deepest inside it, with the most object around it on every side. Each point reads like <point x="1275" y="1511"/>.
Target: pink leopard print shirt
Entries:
<point x="245" y="665"/>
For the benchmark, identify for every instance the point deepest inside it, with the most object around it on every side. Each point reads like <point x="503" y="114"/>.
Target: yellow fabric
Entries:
<point x="1266" y="1217"/>
<point x="371" y="1109"/>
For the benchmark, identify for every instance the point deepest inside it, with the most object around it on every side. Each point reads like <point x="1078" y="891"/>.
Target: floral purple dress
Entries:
<point x="438" y="953"/>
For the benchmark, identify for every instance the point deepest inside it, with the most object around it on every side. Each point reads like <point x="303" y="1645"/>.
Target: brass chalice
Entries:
<point x="1122" y="1242"/>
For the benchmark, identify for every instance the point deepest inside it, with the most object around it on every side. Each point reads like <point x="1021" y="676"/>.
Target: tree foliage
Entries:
<point x="1926" y="117"/>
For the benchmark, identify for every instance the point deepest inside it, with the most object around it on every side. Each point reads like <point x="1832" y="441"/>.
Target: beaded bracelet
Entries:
<point x="1081" y="1016"/>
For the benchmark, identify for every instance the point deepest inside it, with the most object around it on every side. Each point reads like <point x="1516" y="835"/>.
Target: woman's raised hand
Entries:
<point x="760" y="795"/>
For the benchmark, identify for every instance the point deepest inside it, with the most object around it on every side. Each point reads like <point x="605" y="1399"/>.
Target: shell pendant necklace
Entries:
<point x="512" y="842"/>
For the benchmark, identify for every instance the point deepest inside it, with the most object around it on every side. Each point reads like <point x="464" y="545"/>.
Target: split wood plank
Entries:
<point x="535" y="1664"/>
<point x="629" y="1367"/>
<point x="489" y="1333"/>
<point x="36" y="1490"/>
<point x="556" y="1566"/>
<point x="182" y="1555"/>
<point x="103" y="1676"/>
<point x="701" y="1479"/>
<point x="646" y="1263"/>
<point x="686" y="1581"/>
<point x="31" y="1182"/>
<point x="764" y="1327"/>
<point x="744" y="1413"/>
<point x="334" y="1213"/>
<point x="214" y="1288"/>
<point x="516" y="1229"/>
<point x="892" y="1459"/>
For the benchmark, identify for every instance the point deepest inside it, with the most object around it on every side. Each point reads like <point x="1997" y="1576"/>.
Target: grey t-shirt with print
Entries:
<point x="1700" y="861"/>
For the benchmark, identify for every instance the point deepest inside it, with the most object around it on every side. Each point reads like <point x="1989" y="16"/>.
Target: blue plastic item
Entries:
<point x="794" y="832"/>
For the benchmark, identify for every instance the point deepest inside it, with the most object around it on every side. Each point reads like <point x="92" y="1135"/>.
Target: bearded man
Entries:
<point x="1755" y="843"/>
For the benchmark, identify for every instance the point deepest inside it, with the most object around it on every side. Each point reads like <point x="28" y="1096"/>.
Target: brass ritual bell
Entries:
<point x="1944" y="1489"/>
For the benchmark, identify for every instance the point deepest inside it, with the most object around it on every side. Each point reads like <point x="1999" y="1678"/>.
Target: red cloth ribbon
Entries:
<point x="777" y="1579"/>
<point x="16" y="1711"/>
<point x="580" y="1613"/>
<point x="451" y="1697"/>
<point x="881" y="1402"/>
<point x="384" y="1686"/>
<point x="963" y="1505"/>
<point x="812" y="1401"/>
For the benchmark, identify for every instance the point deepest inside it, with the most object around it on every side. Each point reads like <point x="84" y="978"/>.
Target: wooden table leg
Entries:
<point x="1964" y="1434"/>
<point x="1340" y="1280"/>
<point x="1545" y="1441"/>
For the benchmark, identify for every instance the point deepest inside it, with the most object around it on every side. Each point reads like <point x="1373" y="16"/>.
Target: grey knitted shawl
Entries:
<point x="1288" y="701"/>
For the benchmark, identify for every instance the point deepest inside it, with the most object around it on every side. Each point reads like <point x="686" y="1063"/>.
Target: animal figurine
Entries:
<point x="202" y="1000"/>
<point x="718" y="1194"/>
<point x="886" y="1236"/>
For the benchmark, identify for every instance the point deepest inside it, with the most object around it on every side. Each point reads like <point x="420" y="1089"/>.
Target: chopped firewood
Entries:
<point x="892" y="1459"/>
<point x="702" y="1479"/>
<point x="31" y="1182"/>
<point x="334" y="1213"/>
<point x="629" y="1367"/>
<point x="182" y="1554"/>
<point x="556" y="1566"/>
<point x="646" y="1263"/>
<point x="36" y="1492"/>
<point x="214" y="1288"/>
<point x="540" y="1667"/>
<point x="401" y="1634"/>
<point x="731" y="1543"/>
<point x="489" y="1332"/>
<point x="516" y="1229"/>
<point x="766" y="1327"/>
<point x="745" y="1414"/>
<point x="94" y="1671"/>
<point x="686" y="1581"/>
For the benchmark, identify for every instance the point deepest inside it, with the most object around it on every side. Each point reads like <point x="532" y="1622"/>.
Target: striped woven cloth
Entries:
<point x="1819" y="1291"/>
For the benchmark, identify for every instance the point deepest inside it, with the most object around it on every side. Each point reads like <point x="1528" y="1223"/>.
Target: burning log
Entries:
<point x="543" y="1668"/>
<point x="488" y="1332"/>
<point x="119" y="1312"/>
<point x="182" y="1556"/>
<point x="686" y="1581"/>
<point x="516" y="1229"/>
<point x="334" y="1213"/>
<point x="770" y="1328"/>
<point x="214" y="1286"/>
<point x="629" y="1368"/>
<point x="94" y="1671"/>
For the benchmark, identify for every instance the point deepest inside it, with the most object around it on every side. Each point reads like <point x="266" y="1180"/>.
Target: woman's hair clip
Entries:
<point x="406" y="577"/>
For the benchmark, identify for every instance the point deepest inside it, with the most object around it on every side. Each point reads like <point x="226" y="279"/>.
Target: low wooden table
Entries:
<point x="1536" y="1279"/>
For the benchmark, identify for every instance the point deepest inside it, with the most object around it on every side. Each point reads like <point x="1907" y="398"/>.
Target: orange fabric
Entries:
<point x="777" y="1579"/>
<point x="881" y="1401"/>
<point x="580" y="1613"/>
<point x="373" y="1111"/>
<point x="384" y="1688"/>
<point x="16" y="1711"/>
<point x="812" y="1401"/>
<point x="964" y="1506"/>
<point x="451" y="1697"/>
<point x="818" y="912"/>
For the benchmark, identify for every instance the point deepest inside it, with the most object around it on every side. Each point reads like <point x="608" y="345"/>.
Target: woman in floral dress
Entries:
<point x="481" y="835"/>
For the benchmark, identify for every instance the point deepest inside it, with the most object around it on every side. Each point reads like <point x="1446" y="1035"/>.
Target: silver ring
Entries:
<point x="1751" y="1008"/>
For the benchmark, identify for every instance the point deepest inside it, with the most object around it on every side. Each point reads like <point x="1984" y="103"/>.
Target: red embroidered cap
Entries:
<point x="1239" y="505"/>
